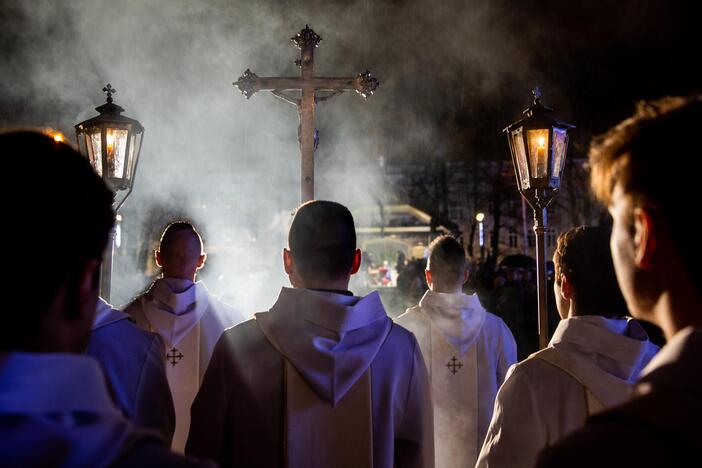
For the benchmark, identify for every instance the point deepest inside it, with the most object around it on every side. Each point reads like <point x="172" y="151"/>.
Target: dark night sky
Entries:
<point x="453" y="74"/>
<point x="594" y="59"/>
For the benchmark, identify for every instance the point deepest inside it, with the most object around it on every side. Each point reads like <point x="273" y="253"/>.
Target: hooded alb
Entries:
<point x="468" y="352"/>
<point x="590" y="364"/>
<point x="321" y="379"/>
<point x="189" y="321"/>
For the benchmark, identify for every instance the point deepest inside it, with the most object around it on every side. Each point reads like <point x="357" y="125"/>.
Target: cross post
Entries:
<point x="308" y="85"/>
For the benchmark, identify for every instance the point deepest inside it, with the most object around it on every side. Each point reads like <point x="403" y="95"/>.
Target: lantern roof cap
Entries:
<point x="110" y="112"/>
<point x="537" y="115"/>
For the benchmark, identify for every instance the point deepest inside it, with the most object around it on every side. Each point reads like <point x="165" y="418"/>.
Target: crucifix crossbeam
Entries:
<point x="309" y="86"/>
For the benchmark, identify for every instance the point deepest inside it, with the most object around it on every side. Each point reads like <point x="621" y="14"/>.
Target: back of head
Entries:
<point x="582" y="254"/>
<point x="636" y="154"/>
<point x="447" y="262"/>
<point x="180" y="250"/>
<point x="58" y="221"/>
<point x="322" y="240"/>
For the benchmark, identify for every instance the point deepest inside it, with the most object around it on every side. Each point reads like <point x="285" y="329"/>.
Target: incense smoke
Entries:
<point x="452" y="74"/>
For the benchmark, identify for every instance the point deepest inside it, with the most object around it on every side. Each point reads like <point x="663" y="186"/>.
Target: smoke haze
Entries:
<point x="232" y="165"/>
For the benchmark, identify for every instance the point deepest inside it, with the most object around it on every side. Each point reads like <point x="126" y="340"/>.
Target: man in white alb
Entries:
<point x="594" y="357"/>
<point x="186" y="316"/>
<point x="323" y="379"/>
<point x="467" y="351"/>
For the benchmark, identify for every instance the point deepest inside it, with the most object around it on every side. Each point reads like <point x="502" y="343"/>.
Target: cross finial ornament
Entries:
<point x="306" y="39"/>
<point x="453" y="365"/>
<point x="174" y="356"/>
<point x="366" y="84"/>
<point x="109" y="90"/>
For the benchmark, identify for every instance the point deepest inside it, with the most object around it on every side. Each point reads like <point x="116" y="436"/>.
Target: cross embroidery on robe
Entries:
<point x="174" y="356"/>
<point x="453" y="365"/>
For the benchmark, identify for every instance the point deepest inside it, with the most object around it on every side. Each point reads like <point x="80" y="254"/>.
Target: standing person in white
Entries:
<point x="185" y="315"/>
<point x="467" y="351"/>
<point x="594" y="357"/>
<point x="324" y="378"/>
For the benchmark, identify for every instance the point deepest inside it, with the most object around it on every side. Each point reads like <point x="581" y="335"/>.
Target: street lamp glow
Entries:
<point x="112" y="143"/>
<point x="480" y="217"/>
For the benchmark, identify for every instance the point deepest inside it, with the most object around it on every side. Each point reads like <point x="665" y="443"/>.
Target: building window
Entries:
<point x="513" y="238"/>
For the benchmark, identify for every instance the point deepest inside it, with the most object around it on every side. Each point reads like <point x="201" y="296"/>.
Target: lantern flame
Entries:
<point x="541" y="141"/>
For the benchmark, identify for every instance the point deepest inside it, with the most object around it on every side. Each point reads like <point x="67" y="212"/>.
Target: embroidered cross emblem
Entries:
<point x="174" y="356"/>
<point x="453" y="365"/>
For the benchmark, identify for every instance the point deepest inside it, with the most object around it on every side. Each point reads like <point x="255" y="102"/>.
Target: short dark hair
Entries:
<point x="447" y="260"/>
<point x="172" y="230"/>
<point x="322" y="239"/>
<point x="582" y="254"/>
<point x="656" y="157"/>
<point x="61" y="217"/>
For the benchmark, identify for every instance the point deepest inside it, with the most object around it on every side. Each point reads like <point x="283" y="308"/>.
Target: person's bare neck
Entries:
<point x="446" y="289"/>
<point x="677" y="308"/>
<point x="340" y="284"/>
<point x="179" y="275"/>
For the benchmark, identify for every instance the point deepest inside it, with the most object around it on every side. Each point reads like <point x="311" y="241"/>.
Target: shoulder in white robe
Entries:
<point x="589" y="365"/>
<point x="55" y="410"/>
<point x="133" y="361"/>
<point x="467" y="351"/>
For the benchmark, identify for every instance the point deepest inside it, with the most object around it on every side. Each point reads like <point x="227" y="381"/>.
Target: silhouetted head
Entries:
<point x="180" y="253"/>
<point x="60" y="215"/>
<point x="645" y="170"/>
<point x="322" y="246"/>
<point x="585" y="275"/>
<point x="447" y="269"/>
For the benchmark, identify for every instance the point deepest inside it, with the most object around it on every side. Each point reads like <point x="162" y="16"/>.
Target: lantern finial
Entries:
<point x="109" y="90"/>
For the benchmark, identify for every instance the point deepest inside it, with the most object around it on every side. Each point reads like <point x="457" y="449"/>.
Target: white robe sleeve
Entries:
<point x="154" y="405"/>
<point x="507" y="355"/>
<point x="516" y="434"/>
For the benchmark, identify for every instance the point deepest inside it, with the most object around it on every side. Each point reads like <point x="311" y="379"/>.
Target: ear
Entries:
<point x="86" y="292"/>
<point x="201" y="261"/>
<point x="566" y="288"/>
<point x="157" y="256"/>
<point x="287" y="262"/>
<point x="427" y="275"/>
<point x="466" y="275"/>
<point x="645" y="239"/>
<point x="356" y="265"/>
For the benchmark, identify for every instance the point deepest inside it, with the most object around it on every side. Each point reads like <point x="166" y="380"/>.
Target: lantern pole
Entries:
<point x="106" y="270"/>
<point x="541" y="284"/>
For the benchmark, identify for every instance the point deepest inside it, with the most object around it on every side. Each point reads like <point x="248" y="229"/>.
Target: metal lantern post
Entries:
<point x="538" y="144"/>
<point x="112" y="143"/>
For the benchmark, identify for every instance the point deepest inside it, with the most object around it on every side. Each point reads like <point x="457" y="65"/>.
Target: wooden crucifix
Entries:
<point x="309" y="86"/>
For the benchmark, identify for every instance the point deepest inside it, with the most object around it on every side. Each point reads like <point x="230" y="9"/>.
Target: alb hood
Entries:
<point x="459" y="317"/>
<point x="331" y="339"/>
